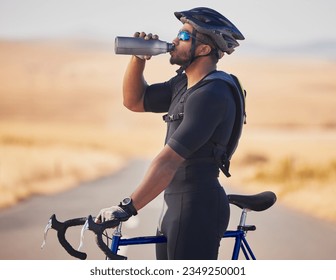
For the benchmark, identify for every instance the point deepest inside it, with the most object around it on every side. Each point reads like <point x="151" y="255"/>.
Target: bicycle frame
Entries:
<point x="240" y="244"/>
<point x="239" y="235"/>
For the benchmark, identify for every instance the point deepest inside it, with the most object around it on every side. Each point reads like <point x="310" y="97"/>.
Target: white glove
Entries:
<point x="121" y="213"/>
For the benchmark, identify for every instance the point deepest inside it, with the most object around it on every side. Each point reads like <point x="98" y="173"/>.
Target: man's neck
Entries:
<point x="198" y="70"/>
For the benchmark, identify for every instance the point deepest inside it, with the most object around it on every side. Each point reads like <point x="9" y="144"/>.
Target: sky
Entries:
<point x="270" y="23"/>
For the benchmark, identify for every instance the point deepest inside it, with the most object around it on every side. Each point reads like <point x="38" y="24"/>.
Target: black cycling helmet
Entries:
<point x="207" y="21"/>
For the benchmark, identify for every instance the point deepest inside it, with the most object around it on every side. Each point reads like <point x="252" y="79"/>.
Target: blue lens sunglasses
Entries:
<point x="185" y="35"/>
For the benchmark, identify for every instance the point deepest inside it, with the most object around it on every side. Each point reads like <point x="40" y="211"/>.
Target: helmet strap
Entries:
<point x="192" y="53"/>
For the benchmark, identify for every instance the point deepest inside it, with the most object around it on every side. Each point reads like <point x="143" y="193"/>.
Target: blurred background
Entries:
<point x="61" y="116"/>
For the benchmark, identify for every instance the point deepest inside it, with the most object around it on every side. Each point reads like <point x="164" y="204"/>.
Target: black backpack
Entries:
<point x="223" y="154"/>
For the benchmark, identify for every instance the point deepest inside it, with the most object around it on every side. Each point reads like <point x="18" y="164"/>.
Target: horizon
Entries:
<point x="321" y="50"/>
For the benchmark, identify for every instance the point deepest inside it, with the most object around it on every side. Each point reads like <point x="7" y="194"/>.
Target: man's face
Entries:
<point x="181" y="53"/>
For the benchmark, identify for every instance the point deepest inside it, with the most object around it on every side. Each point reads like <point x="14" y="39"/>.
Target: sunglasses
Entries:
<point x="184" y="35"/>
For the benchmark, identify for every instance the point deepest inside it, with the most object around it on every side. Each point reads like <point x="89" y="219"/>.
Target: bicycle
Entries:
<point x="257" y="202"/>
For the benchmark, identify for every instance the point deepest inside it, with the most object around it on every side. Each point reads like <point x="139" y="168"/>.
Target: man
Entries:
<point x="201" y="115"/>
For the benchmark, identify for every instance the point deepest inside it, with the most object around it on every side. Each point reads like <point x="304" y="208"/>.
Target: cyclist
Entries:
<point x="201" y="113"/>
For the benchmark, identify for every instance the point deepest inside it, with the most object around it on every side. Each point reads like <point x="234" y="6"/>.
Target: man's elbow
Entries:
<point x="134" y="107"/>
<point x="128" y="105"/>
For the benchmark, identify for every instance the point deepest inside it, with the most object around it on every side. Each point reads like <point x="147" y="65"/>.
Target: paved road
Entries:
<point x="281" y="233"/>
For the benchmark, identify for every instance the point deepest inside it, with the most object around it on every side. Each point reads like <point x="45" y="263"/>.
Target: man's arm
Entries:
<point x="158" y="177"/>
<point x="134" y="85"/>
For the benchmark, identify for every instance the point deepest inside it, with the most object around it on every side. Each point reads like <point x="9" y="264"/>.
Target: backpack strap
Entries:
<point x="223" y="153"/>
<point x="173" y="117"/>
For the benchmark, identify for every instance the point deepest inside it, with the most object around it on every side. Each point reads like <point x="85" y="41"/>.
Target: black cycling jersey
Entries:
<point x="196" y="207"/>
<point x="209" y="112"/>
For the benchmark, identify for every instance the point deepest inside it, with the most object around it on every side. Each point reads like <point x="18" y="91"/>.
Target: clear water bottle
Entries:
<point x="140" y="46"/>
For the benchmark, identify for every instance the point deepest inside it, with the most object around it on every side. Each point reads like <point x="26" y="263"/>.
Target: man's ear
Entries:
<point x="203" y="50"/>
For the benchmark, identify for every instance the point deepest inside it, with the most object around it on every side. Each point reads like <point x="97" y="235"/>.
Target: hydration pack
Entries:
<point x="223" y="154"/>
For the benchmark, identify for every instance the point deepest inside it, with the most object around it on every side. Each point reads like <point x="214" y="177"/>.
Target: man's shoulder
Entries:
<point x="219" y="75"/>
<point x="217" y="81"/>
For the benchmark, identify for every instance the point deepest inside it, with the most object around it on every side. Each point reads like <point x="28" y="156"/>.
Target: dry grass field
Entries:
<point x="62" y="122"/>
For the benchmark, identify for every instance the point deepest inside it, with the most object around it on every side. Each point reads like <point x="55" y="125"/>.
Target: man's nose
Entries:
<point x="176" y="41"/>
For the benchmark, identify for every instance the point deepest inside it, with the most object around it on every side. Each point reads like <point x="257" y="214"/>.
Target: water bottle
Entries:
<point x="140" y="46"/>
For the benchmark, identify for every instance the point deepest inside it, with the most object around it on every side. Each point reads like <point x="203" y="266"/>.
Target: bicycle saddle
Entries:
<point x="257" y="202"/>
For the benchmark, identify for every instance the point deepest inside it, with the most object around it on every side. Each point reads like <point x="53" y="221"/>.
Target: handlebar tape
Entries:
<point x="61" y="229"/>
<point x="98" y="229"/>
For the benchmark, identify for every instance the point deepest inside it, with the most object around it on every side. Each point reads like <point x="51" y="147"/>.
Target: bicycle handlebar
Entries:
<point x="61" y="229"/>
<point x="87" y="223"/>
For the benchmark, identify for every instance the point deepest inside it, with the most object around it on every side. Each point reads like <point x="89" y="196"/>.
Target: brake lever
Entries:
<point x="84" y="228"/>
<point x="46" y="230"/>
<point x="99" y="229"/>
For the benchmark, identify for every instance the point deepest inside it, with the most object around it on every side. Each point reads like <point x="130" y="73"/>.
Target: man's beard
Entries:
<point x="180" y="59"/>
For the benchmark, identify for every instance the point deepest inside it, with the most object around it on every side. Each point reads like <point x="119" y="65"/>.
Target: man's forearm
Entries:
<point x="134" y="85"/>
<point x="157" y="178"/>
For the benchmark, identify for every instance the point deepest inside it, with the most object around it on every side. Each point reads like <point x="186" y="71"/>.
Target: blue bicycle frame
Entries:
<point x="239" y="236"/>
